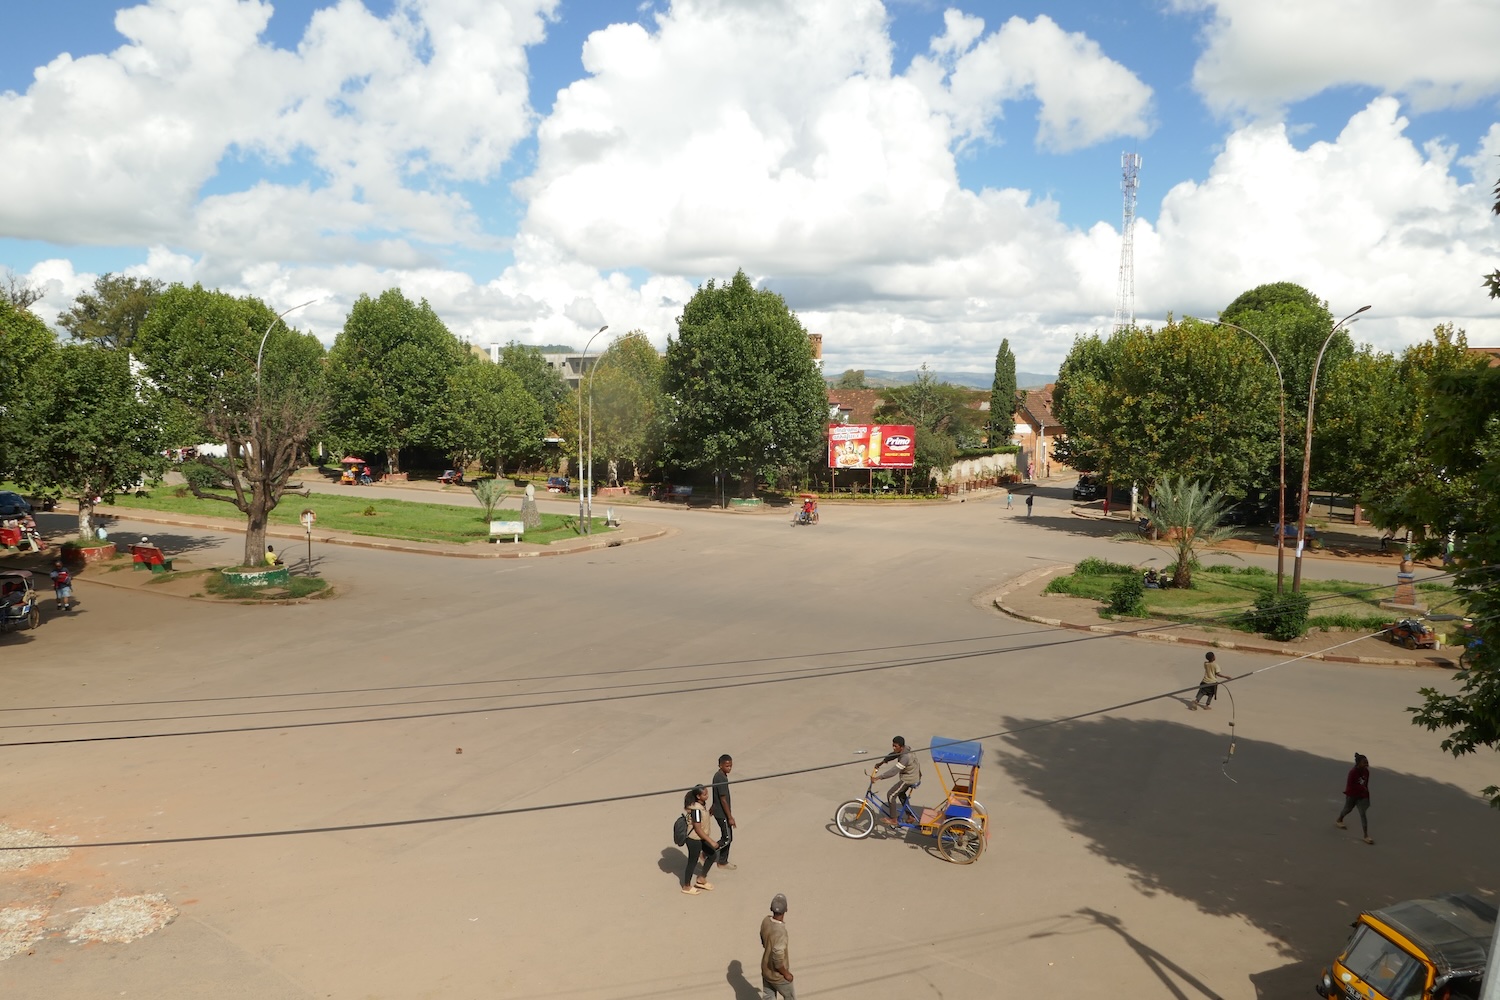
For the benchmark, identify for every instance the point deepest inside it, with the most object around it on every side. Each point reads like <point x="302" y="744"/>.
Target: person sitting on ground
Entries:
<point x="1152" y="581"/>
<point x="272" y="559"/>
<point x="909" y="776"/>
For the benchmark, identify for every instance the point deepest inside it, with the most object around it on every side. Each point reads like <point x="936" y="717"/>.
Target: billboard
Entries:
<point x="871" y="446"/>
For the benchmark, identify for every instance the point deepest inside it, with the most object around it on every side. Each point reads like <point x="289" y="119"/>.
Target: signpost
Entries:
<point x="309" y="518"/>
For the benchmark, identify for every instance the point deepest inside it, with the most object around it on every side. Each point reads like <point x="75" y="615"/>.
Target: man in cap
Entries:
<point x="775" y="965"/>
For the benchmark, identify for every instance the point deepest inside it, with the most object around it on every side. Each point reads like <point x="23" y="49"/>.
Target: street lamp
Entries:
<point x="1281" y="492"/>
<point x="583" y="524"/>
<point x="260" y="354"/>
<point x="1312" y="399"/>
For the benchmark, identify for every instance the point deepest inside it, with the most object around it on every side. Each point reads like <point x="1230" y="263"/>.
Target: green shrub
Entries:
<point x="203" y="476"/>
<point x="1102" y="567"/>
<point x="1060" y="585"/>
<point x="1282" y="618"/>
<point x="1128" y="596"/>
<point x="1224" y="569"/>
<point x="1346" y="620"/>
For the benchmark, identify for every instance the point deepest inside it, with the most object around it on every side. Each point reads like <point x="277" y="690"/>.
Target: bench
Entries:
<point x="515" y="529"/>
<point x="683" y="493"/>
<point x="149" y="557"/>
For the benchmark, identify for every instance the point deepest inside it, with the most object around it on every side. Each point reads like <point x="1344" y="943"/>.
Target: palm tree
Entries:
<point x="1188" y="514"/>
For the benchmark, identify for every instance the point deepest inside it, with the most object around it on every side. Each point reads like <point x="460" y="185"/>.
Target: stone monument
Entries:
<point x="529" y="515"/>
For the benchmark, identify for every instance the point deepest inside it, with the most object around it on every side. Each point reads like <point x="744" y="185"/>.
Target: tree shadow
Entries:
<point x="1252" y="838"/>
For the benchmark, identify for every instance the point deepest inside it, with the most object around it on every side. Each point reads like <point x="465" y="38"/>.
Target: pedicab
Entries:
<point x="960" y="822"/>
<point x="18" y="602"/>
<point x="808" y="512"/>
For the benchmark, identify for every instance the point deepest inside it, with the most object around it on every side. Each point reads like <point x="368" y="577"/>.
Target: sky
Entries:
<point x="918" y="179"/>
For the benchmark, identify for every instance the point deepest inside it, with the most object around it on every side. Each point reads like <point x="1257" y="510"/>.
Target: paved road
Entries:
<point x="1126" y="860"/>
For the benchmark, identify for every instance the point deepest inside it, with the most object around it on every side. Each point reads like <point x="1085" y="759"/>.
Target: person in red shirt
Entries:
<point x="1357" y="795"/>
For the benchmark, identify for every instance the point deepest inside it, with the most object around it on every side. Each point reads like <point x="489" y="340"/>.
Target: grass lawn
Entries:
<point x="1220" y="591"/>
<point x="361" y="515"/>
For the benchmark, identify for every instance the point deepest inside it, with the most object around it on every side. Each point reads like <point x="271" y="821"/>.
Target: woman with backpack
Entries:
<point x="699" y="842"/>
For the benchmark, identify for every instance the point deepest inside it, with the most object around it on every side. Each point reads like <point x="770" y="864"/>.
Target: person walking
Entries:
<point x="1208" y="688"/>
<point x="775" y="963"/>
<point x="62" y="585"/>
<point x="1030" y="502"/>
<point x="699" y="843"/>
<point x="1357" y="796"/>
<point x="1010" y="500"/>
<point x="722" y="812"/>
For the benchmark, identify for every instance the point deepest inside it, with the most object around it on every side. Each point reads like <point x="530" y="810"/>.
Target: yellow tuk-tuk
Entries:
<point x="1422" y="949"/>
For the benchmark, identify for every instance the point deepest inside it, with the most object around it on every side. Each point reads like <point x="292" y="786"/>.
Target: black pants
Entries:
<point x="695" y="849"/>
<point x="726" y="834"/>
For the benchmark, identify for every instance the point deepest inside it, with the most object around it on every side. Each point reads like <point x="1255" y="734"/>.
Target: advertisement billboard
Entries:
<point x="871" y="446"/>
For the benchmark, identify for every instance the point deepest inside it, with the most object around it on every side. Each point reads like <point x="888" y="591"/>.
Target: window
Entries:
<point x="1383" y="966"/>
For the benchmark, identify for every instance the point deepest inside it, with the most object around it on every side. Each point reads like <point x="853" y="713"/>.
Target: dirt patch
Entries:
<point x="20" y="928"/>
<point x="123" y="919"/>
<point x="34" y="849"/>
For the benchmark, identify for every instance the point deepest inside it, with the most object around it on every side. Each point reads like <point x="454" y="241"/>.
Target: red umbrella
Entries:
<point x="351" y="460"/>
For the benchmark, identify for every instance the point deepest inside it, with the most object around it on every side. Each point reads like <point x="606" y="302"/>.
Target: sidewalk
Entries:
<point x="1023" y="598"/>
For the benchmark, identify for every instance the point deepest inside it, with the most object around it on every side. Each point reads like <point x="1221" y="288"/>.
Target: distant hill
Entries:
<point x="973" y="380"/>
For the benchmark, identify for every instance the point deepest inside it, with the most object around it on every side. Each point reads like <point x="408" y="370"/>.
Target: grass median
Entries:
<point x="377" y="518"/>
<point x="1219" y="592"/>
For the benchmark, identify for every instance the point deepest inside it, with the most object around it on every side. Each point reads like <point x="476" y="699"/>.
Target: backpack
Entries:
<point x="680" y="830"/>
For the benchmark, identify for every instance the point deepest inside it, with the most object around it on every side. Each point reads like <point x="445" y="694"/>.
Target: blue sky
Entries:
<point x="917" y="183"/>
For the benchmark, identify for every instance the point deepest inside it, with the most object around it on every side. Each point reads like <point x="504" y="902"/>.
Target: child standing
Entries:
<point x="62" y="585"/>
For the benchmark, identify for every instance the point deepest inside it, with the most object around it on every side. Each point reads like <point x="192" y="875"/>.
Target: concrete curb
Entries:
<point x="1145" y="631"/>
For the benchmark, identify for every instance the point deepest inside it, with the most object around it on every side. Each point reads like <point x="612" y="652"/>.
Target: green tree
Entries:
<point x="1464" y="440"/>
<point x="1003" y="394"/>
<point x="544" y="382"/>
<point x="1188" y="515"/>
<point x="628" y="403"/>
<point x="93" y="429"/>
<point x="851" y="379"/>
<point x="1364" y="430"/>
<point x="941" y="415"/>
<point x="252" y="382"/>
<point x="489" y="417"/>
<point x="112" y="313"/>
<point x="1192" y="399"/>
<point x="25" y="343"/>
<point x="1418" y="489"/>
<point x="745" y="395"/>
<point x="1294" y="323"/>
<point x="388" y="372"/>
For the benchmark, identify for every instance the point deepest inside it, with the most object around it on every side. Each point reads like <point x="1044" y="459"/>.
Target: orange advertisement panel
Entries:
<point x="871" y="446"/>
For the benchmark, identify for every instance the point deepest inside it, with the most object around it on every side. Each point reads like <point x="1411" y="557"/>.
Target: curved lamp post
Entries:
<point x="261" y="353"/>
<point x="583" y="525"/>
<point x="1281" y="492"/>
<point x="1312" y="399"/>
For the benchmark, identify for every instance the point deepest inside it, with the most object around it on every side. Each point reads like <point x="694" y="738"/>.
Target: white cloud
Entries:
<point x="390" y="111"/>
<point x="1367" y="218"/>
<point x="1262" y="55"/>
<point x="1084" y="96"/>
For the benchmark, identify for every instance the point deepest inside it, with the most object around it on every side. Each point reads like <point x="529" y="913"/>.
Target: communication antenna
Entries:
<point x="1130" y="169"/>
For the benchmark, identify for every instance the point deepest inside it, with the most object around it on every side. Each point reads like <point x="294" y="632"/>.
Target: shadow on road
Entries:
<point x="1254" y="838"/>
<point x="743" y="988"/>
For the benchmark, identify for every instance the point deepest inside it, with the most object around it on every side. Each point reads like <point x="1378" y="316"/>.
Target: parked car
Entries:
<point x="559" y="484"/>
<point x="13" y="504"/>
<point x="1088" y="488"/>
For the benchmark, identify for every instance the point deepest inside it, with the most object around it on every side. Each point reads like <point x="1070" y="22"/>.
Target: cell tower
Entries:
<point x="1130" y="169"/>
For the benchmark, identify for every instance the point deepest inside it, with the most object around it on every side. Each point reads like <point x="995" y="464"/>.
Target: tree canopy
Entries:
<point x="1192" y="399"/>
<point x="388" y="372"/>
<point x="542" y="381"/>
<point x="24" y="342"/>
<point x="851" y="379"/>
<point x="1003" y="400"/>
<point x="200" y="349"/>
<point x="489" y="416"/>
<point x="92" y="429"/>
<point x="111" y="314"/>
<point x="745" y="395"/>
<point x="941" y="414"/>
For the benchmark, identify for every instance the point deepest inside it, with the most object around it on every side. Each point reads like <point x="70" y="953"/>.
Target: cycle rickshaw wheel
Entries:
<point x="961" y="841"/>
<point x="855" y="819"/>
